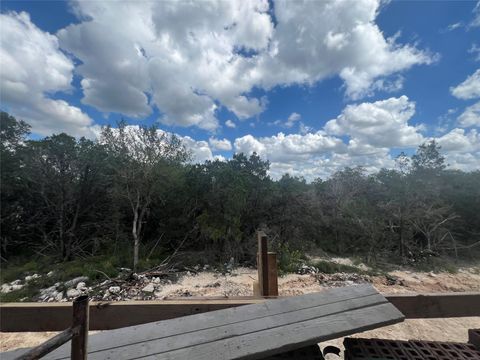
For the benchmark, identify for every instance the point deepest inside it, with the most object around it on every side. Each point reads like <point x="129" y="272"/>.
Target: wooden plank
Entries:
<point x="105" y="316"/>
<point x="166" y="342"/>
<point x="257" y="345"/>
<point x="262" y="265"/>
<point x="272" y="274"/>
<point x="213" y="320"/>
<point x="418" y="306"/>
<point x="16" y="317"/>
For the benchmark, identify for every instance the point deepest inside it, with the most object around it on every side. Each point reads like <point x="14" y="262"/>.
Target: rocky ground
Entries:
<point x="204" y="282"/>
<point x="238" y="282"/>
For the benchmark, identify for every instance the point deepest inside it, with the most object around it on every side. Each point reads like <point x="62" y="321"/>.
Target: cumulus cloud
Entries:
<point x="200" y="150"/>
<point x="189" y="59"/>
<point x="372" y="131"/>
<point x="295" y="153"/>
<point x="183" y="58"/>
<point x="470" y="116"/>
<point x="469" y="89"/>
<point x="334" y="38"/>
<point x="32" y="67"/>
<point x="220" y="144"/>
<point x="382" y="123"/>
<point x="461" y="149"/>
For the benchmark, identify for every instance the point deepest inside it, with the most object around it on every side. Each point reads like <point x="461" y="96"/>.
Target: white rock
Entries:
<point x="31" y="277"/>
<point x="16" y="282"/>
<point x="73" y="293"/>
<point x="17" y="287"/>
<point x="81" y="286"/>
<point x="149" y="288"/>
<point x="74" y="282"/>
<point x="59" y="296"/>
<point x="50" y="273"/>
<point x="48" y="291"/>
<point x="114" y="289"/>
<point x="156" y="280"/>
<point x="6" y="288"/>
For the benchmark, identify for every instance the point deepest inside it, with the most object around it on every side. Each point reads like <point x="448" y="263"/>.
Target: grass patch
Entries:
<point x="17" y="295"/>
<point x="437" y="264"/>
<point x="95" y="268"/>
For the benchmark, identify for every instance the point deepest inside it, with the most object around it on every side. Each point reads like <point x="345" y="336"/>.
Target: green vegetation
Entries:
<point x="83" y="207"/>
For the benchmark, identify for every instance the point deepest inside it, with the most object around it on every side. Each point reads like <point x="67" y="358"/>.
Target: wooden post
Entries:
<point x="263" y="263"/>
<point x="80" y="327"/>
<point x="272" y="274"/>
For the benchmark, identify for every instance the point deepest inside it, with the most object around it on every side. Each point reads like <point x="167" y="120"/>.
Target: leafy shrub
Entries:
<point x="289" y="260"/>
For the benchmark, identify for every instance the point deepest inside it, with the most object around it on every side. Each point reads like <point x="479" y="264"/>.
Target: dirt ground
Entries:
<point x="239" y="283"/>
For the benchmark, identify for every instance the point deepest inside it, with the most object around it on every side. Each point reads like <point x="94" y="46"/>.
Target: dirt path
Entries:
<point x="240" y="284"/>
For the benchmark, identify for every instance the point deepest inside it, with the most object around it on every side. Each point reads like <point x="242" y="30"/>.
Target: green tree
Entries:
<point x="13" y="134"/>
<point x="139" y="158"/>
<point x="428" y="157"/>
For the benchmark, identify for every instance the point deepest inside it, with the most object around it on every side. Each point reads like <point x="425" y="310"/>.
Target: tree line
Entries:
<point x="135" y="192"/>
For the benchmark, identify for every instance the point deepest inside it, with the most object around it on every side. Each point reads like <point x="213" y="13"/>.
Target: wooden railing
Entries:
<point x="77" y="332"/>
<point x="113" y="315"/>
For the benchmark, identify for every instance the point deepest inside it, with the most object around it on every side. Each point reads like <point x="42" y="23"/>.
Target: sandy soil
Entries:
<point x="240" y="284"/>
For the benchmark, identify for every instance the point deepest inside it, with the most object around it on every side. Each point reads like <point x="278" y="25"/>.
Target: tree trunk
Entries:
<point x="135" y="239"/>
<point x="135" y="251"/>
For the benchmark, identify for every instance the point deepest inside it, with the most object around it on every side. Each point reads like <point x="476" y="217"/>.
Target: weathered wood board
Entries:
<point x="246" y="332"/>
<point x="16" y="317"/>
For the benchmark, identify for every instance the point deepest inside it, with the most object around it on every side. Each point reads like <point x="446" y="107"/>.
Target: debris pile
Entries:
<point x="341" y="279"/>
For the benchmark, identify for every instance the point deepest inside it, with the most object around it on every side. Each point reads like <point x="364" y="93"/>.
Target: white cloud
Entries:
<point x="292" y="119"/>
<point x="461" y="149"/>
<point x="188" y="59"/>
<point x="469" y="89"/>
<point x="318" y="39"/>
<point x="382" y="123"/>
<point x="454" y="26"/>
<point x="307" y="155"/>
<point x="476" y="16"/>
<point x="475" y="50"/>
<point x="200" y="150"/>
<point x="220" y="144"/>
<point x="470" y="116"/>
<point x="32" y="67"/>
<point x="185" y="55"/>
<point x="373" y="130"/>
<point x="229" y="123"/>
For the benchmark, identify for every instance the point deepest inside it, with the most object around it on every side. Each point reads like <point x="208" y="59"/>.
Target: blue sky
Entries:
<point x="312" y="87"/>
